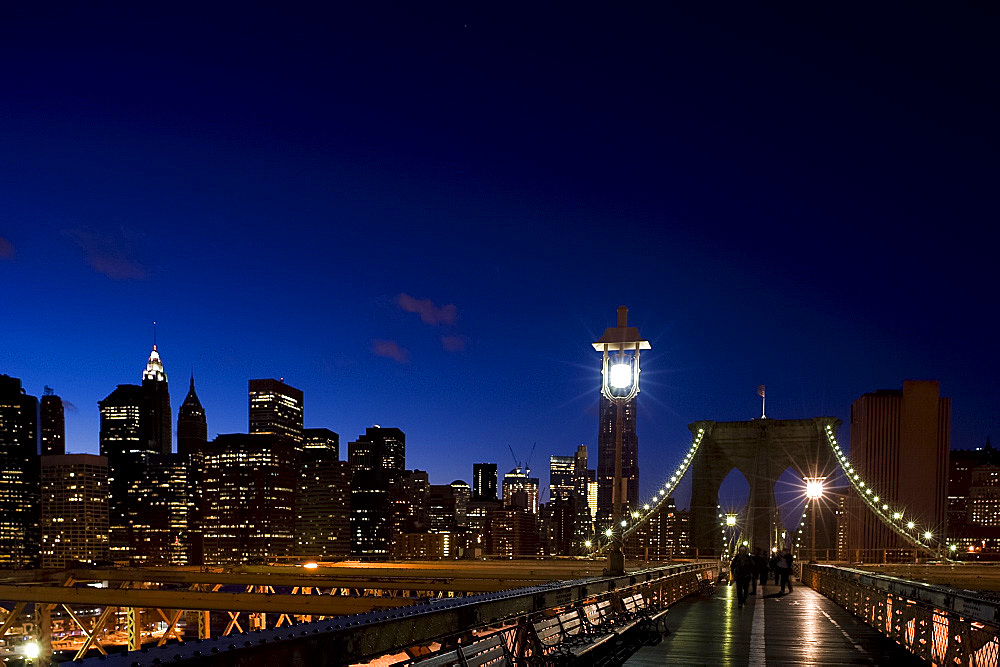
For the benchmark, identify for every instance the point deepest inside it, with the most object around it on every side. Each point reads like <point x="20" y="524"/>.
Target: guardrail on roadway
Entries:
<point x="939" y="624"/>
<point x="351" y="639"/>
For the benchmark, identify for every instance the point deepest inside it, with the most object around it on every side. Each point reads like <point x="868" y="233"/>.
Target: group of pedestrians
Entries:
<point x="747" y="569"/>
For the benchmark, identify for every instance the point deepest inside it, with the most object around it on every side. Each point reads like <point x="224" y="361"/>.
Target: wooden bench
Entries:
<point x="652" y="621"/>
<point x="569" y="637"/>
<point x="489" y="652"/>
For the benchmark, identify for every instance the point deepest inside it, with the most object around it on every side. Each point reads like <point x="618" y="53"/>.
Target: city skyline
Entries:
<point x="423" y="220"/>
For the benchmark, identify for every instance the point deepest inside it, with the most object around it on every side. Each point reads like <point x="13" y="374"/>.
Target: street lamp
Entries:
<point x="814" y="491"/>
<point x="619" y="384"/>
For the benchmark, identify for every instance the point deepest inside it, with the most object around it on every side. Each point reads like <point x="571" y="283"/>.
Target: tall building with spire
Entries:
<point x="52" y="424"/>
<point x="156" y="410"/>
<point x="192" y="426"/>
<point x="149" y="491"/>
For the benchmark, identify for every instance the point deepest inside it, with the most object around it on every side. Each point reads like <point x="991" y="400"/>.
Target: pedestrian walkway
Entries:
<point x="801" y="628"/>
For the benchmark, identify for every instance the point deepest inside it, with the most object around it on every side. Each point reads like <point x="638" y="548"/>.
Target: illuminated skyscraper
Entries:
<point x="19" y="494"/>
<point x="250" y="484"/>
<point x="606" y="457"/>
<point x="323" y="499"/>
<point x="561" y="477"/>
<point x="52" y="424"/>
<point x="156" y="417"/>
<point x="519" y="490"/>
<point x="276" y="407"/>
<point x="484" y="481"/>
<point x="378" y="461"/>
<point x="74" y="509"/>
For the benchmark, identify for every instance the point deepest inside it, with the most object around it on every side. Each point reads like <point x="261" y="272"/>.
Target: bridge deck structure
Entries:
<point x="800" y="628"/>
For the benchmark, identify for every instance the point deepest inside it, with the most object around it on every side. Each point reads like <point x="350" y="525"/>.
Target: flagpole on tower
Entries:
<point x="761" y="392"/>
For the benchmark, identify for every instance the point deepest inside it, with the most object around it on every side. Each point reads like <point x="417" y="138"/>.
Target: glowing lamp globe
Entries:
<point x="730" y="519"/>
<point x="814" y="487"/>
<point x="928" y="535"/>
<point x="609" y="532"/>
<point x="31" y="650"/>
<point x="621" y="376"/>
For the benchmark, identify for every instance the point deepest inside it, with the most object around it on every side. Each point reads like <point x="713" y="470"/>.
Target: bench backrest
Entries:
<point x="572" y="623"/>
<point x="446" y="659"/>
<point x="548" y="631"/>
<point x="490" y="651"/>
<point x="606" y="611"/>
<point x="593" y="614"/>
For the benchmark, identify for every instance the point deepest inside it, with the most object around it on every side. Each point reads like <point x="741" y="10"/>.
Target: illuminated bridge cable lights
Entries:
<point x="637" y="518"/>
<point x="895" y="518"/>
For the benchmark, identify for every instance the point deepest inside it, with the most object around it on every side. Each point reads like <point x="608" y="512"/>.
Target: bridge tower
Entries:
<point x="761" y="449"/>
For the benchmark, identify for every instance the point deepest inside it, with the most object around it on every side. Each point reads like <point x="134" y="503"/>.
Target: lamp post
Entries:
<point x="814" y="491"/>
<point x="619" y="384"/>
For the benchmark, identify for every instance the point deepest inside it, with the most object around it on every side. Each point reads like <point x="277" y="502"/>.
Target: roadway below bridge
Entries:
<point x="800" y="628"/>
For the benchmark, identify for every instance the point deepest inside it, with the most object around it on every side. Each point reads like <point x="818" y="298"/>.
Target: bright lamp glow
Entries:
<point x="31" y="650"/>
<point x="311" y="565"/>
<point x="910" y="525"/>
<point x="609" y="532"/>
<point x="730" y="519"/>
<point x="621" y="376"/>
<point x="587" y="544"/>
<point x="927" y="535"/>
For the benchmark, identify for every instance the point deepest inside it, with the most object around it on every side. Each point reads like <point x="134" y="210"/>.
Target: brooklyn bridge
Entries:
<point x="905" y="601"/>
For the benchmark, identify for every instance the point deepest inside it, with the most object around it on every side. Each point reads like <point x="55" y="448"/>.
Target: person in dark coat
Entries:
<point x="784" y="569"/>
<point x="742" y="571"/>
<point x="772" y="565"/>
<point x="760" y="569"/>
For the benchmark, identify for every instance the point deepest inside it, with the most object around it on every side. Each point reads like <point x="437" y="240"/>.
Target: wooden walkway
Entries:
<point x="801" y="628"/>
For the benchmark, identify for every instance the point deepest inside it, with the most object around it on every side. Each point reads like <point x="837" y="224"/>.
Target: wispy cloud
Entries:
<point x="429" y="312"/>
<point x="109" y="255"/>
<point x="391" y="350"/>
<point x="6" y="249"/>
<point x="454" y="343"/>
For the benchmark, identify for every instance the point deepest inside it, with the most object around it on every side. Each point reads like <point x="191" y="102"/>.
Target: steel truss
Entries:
<point x="410" y="631"/>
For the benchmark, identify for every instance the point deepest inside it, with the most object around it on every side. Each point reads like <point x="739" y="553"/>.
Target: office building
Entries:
<point x="276" y="408"/>
<point x="52" y="424"/>
<point x="192" y="424"/>
<point x="323" y="500"/>
<point x="19" y="493"/>
<point x="156" y="405"/>
<point x="607" y="419"/>
<point x="74" y="492"/>
<point x="899" y="445"/>
<point x="514" y="533"/>
<point x="463" y="496"/>
<point x="250" y="484"/>
<point x="484" y="481"/>
<point x="519" y="490"/>
<point x="562" y="477"/>
<point x="377" y="460"/>
<point x="324" y="441"/>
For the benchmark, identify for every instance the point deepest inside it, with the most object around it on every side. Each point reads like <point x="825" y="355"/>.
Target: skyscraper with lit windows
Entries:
<point x="19" y="493"/>
<point x="276" y="408"/>
<point x="606" y="457"/>
<point x="52" y="424"/>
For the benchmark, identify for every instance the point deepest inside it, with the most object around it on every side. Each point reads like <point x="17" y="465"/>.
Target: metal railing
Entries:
<point x="449" y="622"/>
<point x="939" y="624"/>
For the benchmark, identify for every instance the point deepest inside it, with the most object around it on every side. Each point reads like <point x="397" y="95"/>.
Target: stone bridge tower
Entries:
<point x="761" y="449"/>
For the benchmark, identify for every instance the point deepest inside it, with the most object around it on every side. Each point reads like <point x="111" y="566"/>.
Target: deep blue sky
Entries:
<point x="800" y="197"/>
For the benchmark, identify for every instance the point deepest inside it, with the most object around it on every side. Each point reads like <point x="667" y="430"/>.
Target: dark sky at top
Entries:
<point x="803" y="197"/>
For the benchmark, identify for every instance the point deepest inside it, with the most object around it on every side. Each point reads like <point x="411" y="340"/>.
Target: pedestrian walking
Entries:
<point x="784" y="569"/>
<point x="760" y="569"/>
<point x="742" y="571"/>
<point x="772" y="565"/>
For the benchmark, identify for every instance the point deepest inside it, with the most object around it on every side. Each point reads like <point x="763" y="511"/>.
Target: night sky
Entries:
<point x="422" y="215"/>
